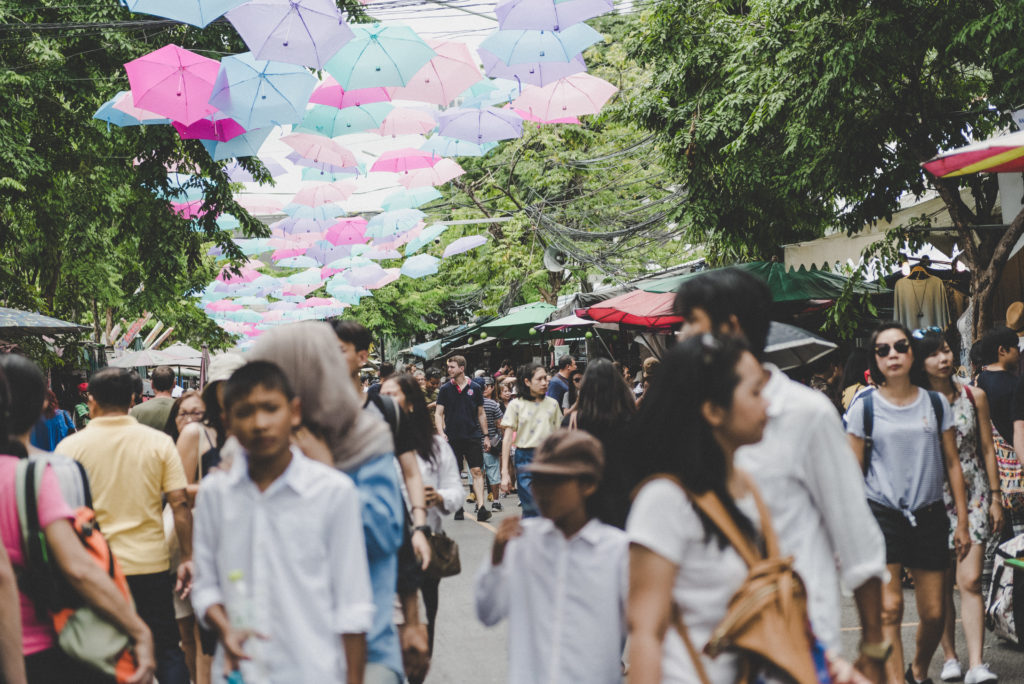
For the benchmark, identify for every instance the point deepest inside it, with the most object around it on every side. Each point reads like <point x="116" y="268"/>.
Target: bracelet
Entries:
<point x="996" y="491"/>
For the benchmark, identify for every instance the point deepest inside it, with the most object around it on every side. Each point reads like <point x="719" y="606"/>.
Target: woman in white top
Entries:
<point x="441" y="482"/>
<point x="705" y="404"/>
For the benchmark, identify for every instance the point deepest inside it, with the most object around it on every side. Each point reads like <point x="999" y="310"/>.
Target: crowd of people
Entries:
<point x="286" y="523"/>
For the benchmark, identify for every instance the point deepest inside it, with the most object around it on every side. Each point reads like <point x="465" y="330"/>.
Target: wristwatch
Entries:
<point x="879" y="651"/>
<point x="425" y="529"/>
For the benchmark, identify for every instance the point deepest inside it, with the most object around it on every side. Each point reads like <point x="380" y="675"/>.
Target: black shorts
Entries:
<point x="470" y="449"/>
<point x="924" y="547"/>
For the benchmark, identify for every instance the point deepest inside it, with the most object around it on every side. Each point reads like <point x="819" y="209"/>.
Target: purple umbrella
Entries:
<point x="464" y="244"/>
<point x="324" y="252"/>
<point x="303" y="225"/>
<point x="323" y="167"/>
<point x="486" y="124"/>
<point x="306" y="32"/>
<point x="535" y="73"/>
<point x="364" y="276"/>
<point x="548" y="15"/>
<point x="246" y="145"/>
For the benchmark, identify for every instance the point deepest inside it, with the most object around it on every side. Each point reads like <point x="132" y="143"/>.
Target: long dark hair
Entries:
<point x="673" y="435"/>
<point x="924" y="346"/>
<point x="605" y="401"/>
<point x="876" y="373"/>
<point x="856" y="364"/>
<point x="21" y="401"/>
<point x="214" y="412"/>
<point x="417" y="418"/>
<point x="525" y="373"/>
<point x="171" y="426"/>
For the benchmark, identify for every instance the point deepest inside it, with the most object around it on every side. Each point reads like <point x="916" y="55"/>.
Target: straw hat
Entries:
<point x="1015" y="318"/>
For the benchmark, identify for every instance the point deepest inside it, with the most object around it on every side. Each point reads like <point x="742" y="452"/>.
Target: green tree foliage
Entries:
<point x="785" y="118"/>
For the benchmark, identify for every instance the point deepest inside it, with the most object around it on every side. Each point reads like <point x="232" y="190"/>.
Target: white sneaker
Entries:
<point x="951" y="671"/>
<point x="979" y="674"/>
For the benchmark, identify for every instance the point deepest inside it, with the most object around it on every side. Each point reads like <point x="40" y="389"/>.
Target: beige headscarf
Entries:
<point x="311" y="359"/>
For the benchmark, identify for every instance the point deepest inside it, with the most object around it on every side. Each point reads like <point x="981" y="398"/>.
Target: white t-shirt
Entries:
<point x="663" y="520"/>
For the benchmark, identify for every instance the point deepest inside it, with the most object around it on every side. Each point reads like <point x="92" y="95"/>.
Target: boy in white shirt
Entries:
<point x="560" y="579"/>
<point x="281" y="571"/>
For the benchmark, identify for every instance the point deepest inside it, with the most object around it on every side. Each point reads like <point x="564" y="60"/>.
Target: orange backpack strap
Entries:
<point x="698" y="664"/>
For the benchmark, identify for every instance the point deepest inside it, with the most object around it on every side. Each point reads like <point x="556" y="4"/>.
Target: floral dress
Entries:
<point x="965" y="426"/>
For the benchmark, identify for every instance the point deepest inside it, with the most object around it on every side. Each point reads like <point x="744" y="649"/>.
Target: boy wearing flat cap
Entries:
<point x="561" y="579"/>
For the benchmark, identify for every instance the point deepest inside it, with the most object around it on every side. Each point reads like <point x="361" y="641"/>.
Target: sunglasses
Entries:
<point x="901" y="347"/>
<point x="921" y="332"/>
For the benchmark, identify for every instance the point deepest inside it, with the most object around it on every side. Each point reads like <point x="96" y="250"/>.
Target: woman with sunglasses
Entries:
<point x="933" y="370"/>
<point x="913" y="455"/>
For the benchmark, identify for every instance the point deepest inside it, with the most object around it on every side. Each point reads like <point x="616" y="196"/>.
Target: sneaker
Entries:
<point x="909" y="677"/>
<point x="460" y="514"/>
<point x="483" y="515"/>
<point x="471" y="498"/>
<point x="979" y="674"/>
<point x="951" y="671"/>
<point x="496" y="506"/>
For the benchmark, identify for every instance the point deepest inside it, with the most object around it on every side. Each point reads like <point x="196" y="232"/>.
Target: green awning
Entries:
<point x="792" y="285"/>
<point x="517" y="325"/>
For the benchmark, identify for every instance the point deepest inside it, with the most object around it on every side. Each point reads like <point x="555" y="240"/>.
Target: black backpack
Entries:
<point x="869" y="422"/>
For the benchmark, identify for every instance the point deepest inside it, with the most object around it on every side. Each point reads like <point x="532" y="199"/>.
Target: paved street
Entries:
<point x="466" y="651"/>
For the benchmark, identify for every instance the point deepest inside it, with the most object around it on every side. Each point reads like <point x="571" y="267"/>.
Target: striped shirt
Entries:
<point x="492" y="410"/>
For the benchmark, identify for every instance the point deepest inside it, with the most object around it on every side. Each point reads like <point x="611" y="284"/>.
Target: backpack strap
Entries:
<point x="698" y="663"/>
<point x="389" y="410"/>
<point x="869" y="423"/>
<point x="937" y="407"/>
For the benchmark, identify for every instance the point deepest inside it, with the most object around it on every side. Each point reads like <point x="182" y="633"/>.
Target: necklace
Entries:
<point x="918" y="297"/>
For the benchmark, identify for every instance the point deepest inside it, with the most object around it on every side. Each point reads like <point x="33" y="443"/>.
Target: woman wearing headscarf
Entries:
<point x="337" y="431"/>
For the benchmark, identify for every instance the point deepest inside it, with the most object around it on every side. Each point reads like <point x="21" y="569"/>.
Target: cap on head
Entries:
<point x="570" y="453"/>
<point x="1015" y="318"/>
<point x="223" y="365"/>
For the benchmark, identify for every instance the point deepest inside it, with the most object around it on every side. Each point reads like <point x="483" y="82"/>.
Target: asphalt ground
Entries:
<point x="467" y="652"/>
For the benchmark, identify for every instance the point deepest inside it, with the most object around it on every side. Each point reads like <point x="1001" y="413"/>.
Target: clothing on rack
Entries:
<point x="921" y="302"/>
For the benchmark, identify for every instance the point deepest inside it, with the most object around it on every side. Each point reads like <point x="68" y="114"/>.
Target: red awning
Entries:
<point x="651" y="310"/>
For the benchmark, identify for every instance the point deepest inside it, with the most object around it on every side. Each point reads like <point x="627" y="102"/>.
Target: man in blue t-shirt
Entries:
<point x="559" y="385"/>
<point x="461" y="420"/>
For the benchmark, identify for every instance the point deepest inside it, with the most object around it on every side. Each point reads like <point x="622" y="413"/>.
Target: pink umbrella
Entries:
<point x="223" y="305"/>
<point x="299" y="289"/>
<point x="319" y="301"/>
<point x="210" y="128"/>
<point x="325" y="193"/>
<point x="362" y="276"/>
<point x="188" y="210"/>
<point x="259" y="205"/>
<point x="319" y="149"/>
<point x="245" y="275"/>
<point x="439" y="174"/>
<point x="126" y="105"/>
<point x="574" y="95"/>
<point x="347" y="232"/>
<point x="443" y="78"/>
<point x="173" y="82"/>
<point x="286" y="253"/>
<point x="331" y="94"/>
<point x="391" y="275"/>
<point x="527" y="116"/>
<point x="464" y="244"/>
<point x="404" y="121"/>
<point x="404" y="160"/>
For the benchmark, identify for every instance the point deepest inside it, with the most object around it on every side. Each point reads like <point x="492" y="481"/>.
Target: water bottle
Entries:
<point x="241" y="612"/>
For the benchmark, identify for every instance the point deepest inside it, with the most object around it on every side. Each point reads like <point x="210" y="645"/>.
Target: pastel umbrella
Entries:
<point x="246" y="145"/>
<point x="282" y="306"/>
<point x="527" y="116"/>
<point x="404" y="160"/>
<point x="305" y="32"/>
<point x="426" y="236"/>
<point x="514" y="47"/>
<point x="112" y="114"/>
<point x="297" y="262"/>
<point x="390" y="276"/>
<point x="323" y="212"/>
<point x="324" y="193"/>
<point x="405" y="121"/>
<point x="287" y="253"/>
<point x="444" y="146"/>
<point x="258" y="93"/>
<point x="181" y="187"/>
<point x="440" y="80"/>
<point x="319" y="301"/>
<point x="245" y="275"/>
<point x="324" y="252"/>
<point x="379" y="55"/>
<point x="464" y="244"/>
<point x="220" y="128"/>
<point x="319" y="149"/>
<point x="409" y="199"/>
<point x="173" y="82"/>
<point x="126" y="103"/>
<point x="1002" y="154"/>
<point x="273" y="166"/>
<point x="237" y="173"/>
<point x="391" y="223"/>
<point x="348" y="262"/>
<point x="347" y="294"/>
<point x="318" y="176"/>
<point x="439" y="174"/>
<point x="363" y="276"/>
<point x="567" y="97"/>
<point x="381" y="253"/>
<point x="227" y="222"/>
<point x="251" y="246"/>
<point x="252" y="301"/>
<point x="223" y="305"/>
<point x="331" y="94"/>
<point x="548" y="14"/>
<point x="321" y="168"/>
<point x="196" y="12"/>
<point x="482" y="125"/>
<point x="291" y="226"/>
<point x="420" y="265"/>
<point x="531" y="73"/>
<point x="310" y="276"/>
<point x="331" y="122"/>
<point x="347" y="232"/>
<point x="188" y="210"/>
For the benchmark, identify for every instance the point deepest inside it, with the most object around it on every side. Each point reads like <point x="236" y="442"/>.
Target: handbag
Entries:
<point x="1011" y="475"/>
<point x="444" y="556"/>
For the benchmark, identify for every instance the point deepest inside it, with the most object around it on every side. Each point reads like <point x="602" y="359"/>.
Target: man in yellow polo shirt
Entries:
<point x="131" y="467"/>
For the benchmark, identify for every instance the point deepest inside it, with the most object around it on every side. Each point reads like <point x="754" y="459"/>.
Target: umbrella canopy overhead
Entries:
<point x="110" y="112"/>
<point x="425" y="237"/>
<point x="390" y="223"/>
<point x="464" y="244"/>
<point x="259" y="93"/>
<point x="1003" y="154"/>
<point x="650" y="310"/>
<point x="420" y="265"/>
<point x="438" y="174"/>
<point x="324" y="193"/>
<point x="196" y="12"/>
<point x="516" y="47"/>
<point x="305" y="32"/>
<point x="444" y="146"/>
<point x="379" y="56"/>
<point x="246" y="145"/>
<point x="406" y="121"/>
<point x="317" y="148"/>
<point x="567" y="97"/>
<point x="786" y="285"/>
<point x="517" y="325"/>
<point x="173" y="82"/>
<point x="17" y="322"/>
<point x="220" y="128"/>
<point x="332" y="122"/>
<point x="440" y="80"/>
<point x="486" y="124"/>
<point x="550" y="15"/>
<point x="791" y="347"/>
<point x="404" y="160"/>
<point x="531" y="73"/>
<point x="409" y="199"/>
<point x="331" y="94"/>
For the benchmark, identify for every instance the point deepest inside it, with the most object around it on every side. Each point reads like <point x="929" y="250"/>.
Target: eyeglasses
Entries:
<point x="196" y="415"/>
<point x="577" y="380"/>
<point x="921" y="332"/>
<point x="901" y="347"/>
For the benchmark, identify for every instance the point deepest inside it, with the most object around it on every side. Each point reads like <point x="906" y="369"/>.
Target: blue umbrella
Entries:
<point x="332" y="122"/>
<point x="379" y="56"/>
<point x="318" y="175"/>
<point x="393" y="222"/>
<point x="252" y="246"/>
<point x="496" y="91"/>
<point x="428" y="235"/>
<point x="246" y="145"/>
<point x="420" y="265"/>
<point x="410" y="199"/>
<point x="195" y="12"/>
<point x="227" y="222"/>
<point x="107" y="112"/>
<point x="258" y="93"/>
<point x="322" y="213"/>
<point x="303" y="32"/>
<point x="181" y="187"/>
<point x="339" y="288"/>
<point x="486" y="124"/>
<point x="297" y="262"/>
<point x="531" y="73"/>
<point x="310" y="276"/>
<point x="517" y="47"/>
<point x="443" y="146"/>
